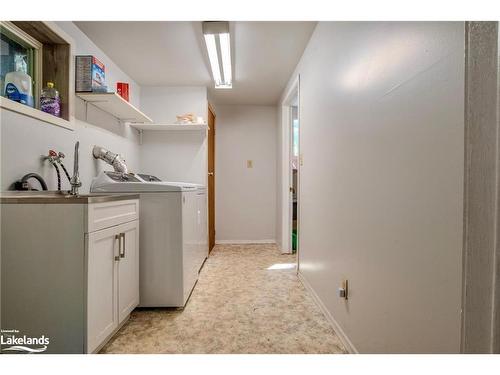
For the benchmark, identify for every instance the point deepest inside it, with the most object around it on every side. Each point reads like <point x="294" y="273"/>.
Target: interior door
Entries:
<point x="102" y="286"/>
<point x="211" y="179"/>
<point x="128" y="269"/>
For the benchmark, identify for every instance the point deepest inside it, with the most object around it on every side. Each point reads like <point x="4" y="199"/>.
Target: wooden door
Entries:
<point x="128" y="269"/>
<point x="211" y="179"/>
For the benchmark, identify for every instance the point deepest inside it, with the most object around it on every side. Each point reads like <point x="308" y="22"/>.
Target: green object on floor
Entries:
<point x="294" y="241"/>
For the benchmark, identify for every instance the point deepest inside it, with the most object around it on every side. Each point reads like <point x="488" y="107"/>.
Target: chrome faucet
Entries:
<point x="75" y="180"/>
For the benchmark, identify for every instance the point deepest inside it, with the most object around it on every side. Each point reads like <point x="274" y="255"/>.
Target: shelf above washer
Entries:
<point x="115" y="105"/>
<point x="170" y="127"/>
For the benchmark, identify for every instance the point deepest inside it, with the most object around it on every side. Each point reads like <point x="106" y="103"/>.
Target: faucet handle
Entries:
<point x="51" y="157"/>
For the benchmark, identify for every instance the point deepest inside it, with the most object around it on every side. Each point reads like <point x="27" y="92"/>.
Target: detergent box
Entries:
<point x="90" y="74"/>
<point x="122" y="90"/>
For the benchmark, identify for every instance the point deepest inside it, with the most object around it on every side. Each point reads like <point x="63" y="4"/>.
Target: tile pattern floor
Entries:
<point x="248" y="300"/>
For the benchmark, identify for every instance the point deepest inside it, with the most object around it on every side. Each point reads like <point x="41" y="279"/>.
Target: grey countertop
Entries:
<point x="60" y="197"/>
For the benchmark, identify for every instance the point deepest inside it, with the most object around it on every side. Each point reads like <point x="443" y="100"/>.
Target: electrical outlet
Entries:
<point x="344" y="290"/>
<point x="249" y="163"/>
<point x="341" y="292"/>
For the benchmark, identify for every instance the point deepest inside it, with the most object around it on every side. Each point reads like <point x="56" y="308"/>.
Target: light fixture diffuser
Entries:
<point x="218" y="42"/>
<point x="212" y="56"/>
<point x="225" y="48"/>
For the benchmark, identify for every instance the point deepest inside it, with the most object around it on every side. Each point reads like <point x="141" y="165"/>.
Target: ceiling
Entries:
<point x="174" y="54"/>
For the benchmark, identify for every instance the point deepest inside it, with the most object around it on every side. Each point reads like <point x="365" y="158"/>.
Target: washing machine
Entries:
<point x="174" y="234"/>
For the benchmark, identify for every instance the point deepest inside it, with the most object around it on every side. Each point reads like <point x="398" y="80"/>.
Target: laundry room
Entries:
<point x="231" y="186"/>
<point x="152" y="142"/>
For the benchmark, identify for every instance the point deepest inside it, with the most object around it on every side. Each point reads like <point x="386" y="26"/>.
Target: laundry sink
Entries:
<point x="58" y="197"/>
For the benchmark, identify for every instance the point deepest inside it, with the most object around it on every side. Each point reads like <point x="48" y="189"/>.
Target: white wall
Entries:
<point x="245" y="198"/>
<point x="382" y="138"/>
<point x="174" y="156"/>
<point x="164" y="103"/>
<point x="25" y="139"/>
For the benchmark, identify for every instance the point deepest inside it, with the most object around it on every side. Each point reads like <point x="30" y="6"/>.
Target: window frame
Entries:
<point x="27" y="41"/>
<point x="47" y="34"/>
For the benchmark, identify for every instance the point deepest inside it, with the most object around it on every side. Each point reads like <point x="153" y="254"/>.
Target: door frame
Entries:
<point x="286" y="174"/>
<point x="210" y="110"/>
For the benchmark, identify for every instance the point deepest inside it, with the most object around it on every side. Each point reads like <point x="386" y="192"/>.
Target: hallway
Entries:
<point x="248" y="300"/>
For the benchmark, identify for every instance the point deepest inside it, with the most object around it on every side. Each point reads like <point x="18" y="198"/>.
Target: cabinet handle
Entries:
<point x="122" y="255"/>
<point x="117" y="237"/>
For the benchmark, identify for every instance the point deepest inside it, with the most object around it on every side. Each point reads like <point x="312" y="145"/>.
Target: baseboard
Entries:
<point x="241" y="242"/>
<point x="336" y="327"/>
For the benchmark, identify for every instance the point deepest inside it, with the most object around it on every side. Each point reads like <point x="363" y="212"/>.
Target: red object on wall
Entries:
<point x="122" y="90"/>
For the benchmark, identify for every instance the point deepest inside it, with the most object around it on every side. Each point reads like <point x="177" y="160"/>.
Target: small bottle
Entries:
<point x="50" y="100"/>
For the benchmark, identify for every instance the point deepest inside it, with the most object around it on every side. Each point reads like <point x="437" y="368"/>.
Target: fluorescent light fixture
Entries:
<point x="225" y="49"/>
<point x="218" y="43"/>
<point x="212" y="55"/>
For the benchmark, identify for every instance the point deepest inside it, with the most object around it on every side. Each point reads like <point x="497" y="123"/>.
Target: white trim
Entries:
<point x="25" y="110"/>
<point x="239" y="242"/>
<point x="286" y="222"/>
<point x="336" y="326"/>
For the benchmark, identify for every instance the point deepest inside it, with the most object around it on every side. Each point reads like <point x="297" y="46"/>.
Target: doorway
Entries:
<point x="294" y="169"/>
<point x="291" y="161"/>
<point x="211" y="178"/>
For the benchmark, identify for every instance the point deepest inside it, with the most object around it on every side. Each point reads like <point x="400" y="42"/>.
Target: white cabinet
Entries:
<point x="70" y="269"/>
<point x="102" y="286"/>
<point x="113" y="280"/>
<point x="128" y="270"/>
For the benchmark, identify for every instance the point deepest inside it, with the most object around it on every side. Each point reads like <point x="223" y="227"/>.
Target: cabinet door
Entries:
<point x="128" y="269"/>
<point x="102" y="286"/>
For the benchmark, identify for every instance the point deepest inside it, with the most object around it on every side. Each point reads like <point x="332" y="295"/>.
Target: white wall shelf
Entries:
<point x="115" y="105"/>
<point x="170" y="127"/>
<point x="34" y="113"/>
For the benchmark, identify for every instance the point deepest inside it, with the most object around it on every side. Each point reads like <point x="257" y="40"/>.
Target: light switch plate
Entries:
<point x="249" y="163"/>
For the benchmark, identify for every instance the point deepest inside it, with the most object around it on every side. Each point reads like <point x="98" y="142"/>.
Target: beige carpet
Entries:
<point x="248" y="300"/>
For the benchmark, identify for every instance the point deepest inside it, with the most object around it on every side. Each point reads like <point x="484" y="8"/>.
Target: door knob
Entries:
<point x="210" y="173"/>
